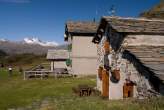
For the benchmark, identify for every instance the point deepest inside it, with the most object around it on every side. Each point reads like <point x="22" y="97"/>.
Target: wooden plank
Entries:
<point x="158" y="67"/>
<point x="127" y="91"/>
<point x="100" y="73"/>
<point x="106" y="46"/>
<point x="131" y="90"/>
<point x="145" y="54"/>
<point x="105" y="83"/>
<point x="152" y="59"/>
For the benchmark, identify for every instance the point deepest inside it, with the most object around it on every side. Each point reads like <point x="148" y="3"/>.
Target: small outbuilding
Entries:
<point x="58" y="58"/>
<point x="130" y="57"/>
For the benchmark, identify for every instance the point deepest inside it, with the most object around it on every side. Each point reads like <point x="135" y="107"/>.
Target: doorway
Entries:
<point x="127" y="90"/>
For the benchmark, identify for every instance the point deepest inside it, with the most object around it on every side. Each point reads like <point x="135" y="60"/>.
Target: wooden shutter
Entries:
<point x="69" y="62"/>
<point x="100" y="73"/>
<point x="69" y="46"/>
<point x="131" y="91"/>
<point x="105" y="83"/>
<point x="106" y="47"/>
<point x="125" y="91"/>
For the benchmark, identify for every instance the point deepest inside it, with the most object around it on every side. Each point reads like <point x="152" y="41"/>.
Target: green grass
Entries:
<point x="16" y="92"/>
<point x="23" y="59"/>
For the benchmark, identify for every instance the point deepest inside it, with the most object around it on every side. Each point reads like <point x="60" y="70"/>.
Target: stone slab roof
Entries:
<point x="161" y="77"/>
<point x="135" y="25"/>
<point x="81" y="27"/>
<point x="57" y="54"/>
<point x="129" y="26"/>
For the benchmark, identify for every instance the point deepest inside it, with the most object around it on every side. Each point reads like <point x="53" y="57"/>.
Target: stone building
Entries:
<point x="83" y="53"/>
<point x="58" y="58"/>
<point x="130" y="57"/>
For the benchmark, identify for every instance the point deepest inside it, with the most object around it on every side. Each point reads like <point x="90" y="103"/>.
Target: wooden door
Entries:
<point x="105" y="84"/>
<point x="127" y="90"/>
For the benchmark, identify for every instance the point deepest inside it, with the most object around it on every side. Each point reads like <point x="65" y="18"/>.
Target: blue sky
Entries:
<point x="45" y="19"/>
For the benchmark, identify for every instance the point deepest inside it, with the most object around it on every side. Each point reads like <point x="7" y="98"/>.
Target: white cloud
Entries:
<point x="16" y="1"/>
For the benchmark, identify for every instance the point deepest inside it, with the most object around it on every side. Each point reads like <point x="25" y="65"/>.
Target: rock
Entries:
<point x="11" y="109"/>
<point x="36" y="104"/>
<point x="140" y="101"/>
<point x="29" y="107"/>
<point x="46" y="100"/>
<point x="57" y="100"/>
<point x="21" y="108"/>
<point x="69" y="99"/>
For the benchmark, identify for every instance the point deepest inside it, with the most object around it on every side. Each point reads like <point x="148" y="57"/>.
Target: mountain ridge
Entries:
<point x="157" y="12"/>
<point x="33" y="41"/>
<point x="36" y="47"/>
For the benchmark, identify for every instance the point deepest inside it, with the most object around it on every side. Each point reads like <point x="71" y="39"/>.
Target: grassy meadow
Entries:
<point x="56" y="94"/>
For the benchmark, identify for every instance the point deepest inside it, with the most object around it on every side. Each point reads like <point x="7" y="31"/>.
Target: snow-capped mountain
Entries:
<point x="37" y="41"/>
<point x="27" y="45"/>
<point x="4" y="40"/>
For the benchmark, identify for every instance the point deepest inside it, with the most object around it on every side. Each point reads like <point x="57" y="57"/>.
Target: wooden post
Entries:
<point x="105" y="84"/>
<point x="41" y="75"/>
<point x="24" y="75"/>
<point x="52" y="65"/>
<point x="106" y="46"/>
<point x="131" y="91"/>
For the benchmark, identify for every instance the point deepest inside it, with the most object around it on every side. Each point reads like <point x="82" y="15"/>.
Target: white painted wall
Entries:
<point x="58" y="64"/>
<point x="84" y="66"/>
<point x="84" y="56"/>
<point x="82" y="46"/>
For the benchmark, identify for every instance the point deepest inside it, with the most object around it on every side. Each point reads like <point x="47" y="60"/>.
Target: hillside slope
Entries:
<point x="23" y="59"/>
<point x="156" y="12"/>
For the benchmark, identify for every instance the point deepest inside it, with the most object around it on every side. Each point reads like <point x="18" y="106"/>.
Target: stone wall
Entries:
<point x="133" y="68"/>
<point x="127" y="69"/>
<point x="100" y="60"/>
<point x="101" y="52"/>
